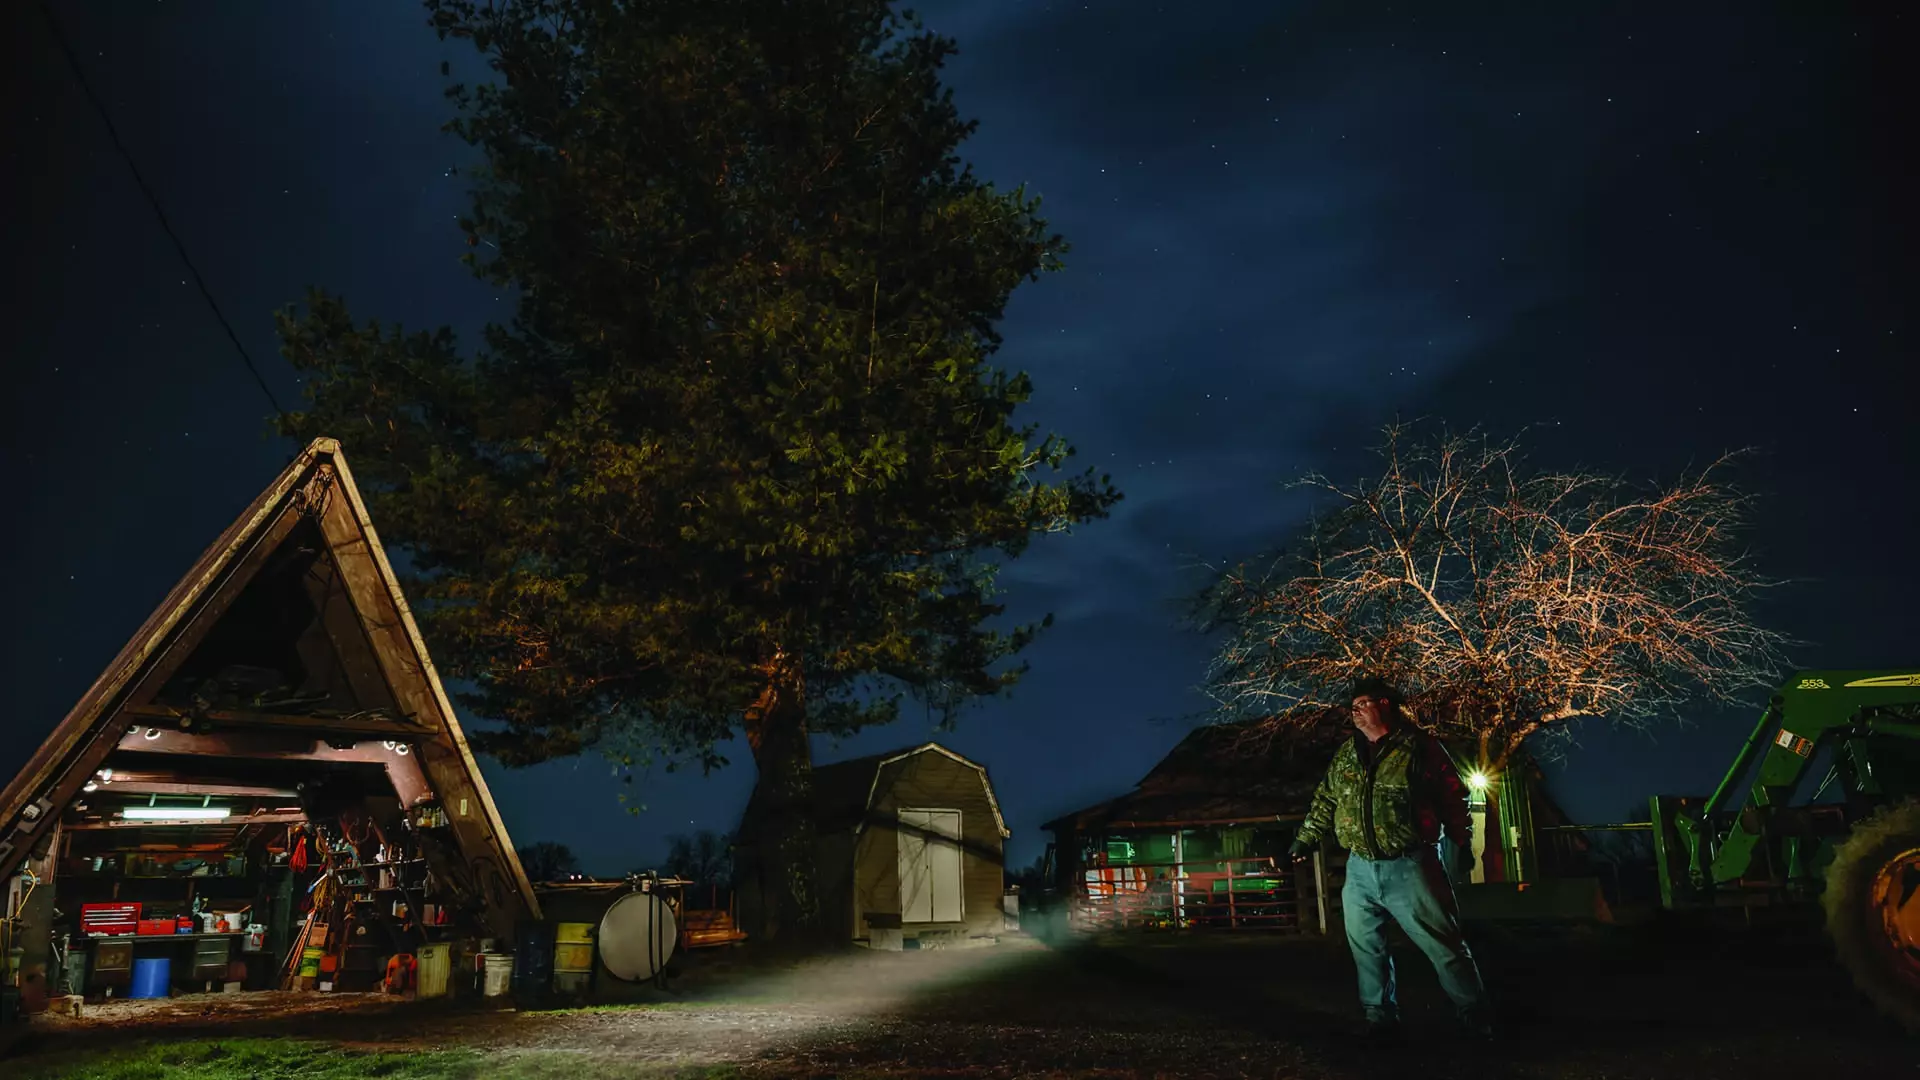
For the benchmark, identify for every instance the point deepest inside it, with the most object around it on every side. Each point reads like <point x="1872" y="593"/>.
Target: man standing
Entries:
<point x="1388" y="795"/>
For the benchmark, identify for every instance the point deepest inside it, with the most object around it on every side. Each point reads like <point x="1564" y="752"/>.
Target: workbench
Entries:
<point x="207" y="964"/>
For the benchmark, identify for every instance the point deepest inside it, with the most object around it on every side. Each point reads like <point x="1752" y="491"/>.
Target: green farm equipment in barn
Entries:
<point x="1851" y="846"/>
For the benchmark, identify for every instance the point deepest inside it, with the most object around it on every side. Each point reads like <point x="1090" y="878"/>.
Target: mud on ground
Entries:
<point x="1601" y="1004"/>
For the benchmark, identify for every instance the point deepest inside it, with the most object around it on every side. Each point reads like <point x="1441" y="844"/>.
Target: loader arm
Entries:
<point x="1808" y="711"/>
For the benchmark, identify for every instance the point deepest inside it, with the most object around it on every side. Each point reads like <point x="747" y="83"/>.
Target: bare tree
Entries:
<point x="1503" y="600"/>
<point x="548" y="861"/>
<point x="1031" y="878"/>
<point x="705" y="858"/>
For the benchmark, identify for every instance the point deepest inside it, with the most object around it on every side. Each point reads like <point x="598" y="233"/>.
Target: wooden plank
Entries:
<point x="403" y="770"/>
<point x="395" y="728"/>
<point x="452" y="772"/>
<point x="347" y="639"/>
<point x="122" y="786"/>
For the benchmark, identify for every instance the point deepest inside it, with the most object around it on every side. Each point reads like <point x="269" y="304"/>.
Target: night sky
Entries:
<point x="1645" y="240"/>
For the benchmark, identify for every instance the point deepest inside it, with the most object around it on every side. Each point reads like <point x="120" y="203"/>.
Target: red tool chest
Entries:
<point x="115" y="918"/>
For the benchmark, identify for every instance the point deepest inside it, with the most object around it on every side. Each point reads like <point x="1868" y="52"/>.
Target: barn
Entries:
<point x="1201" y="842"/>
<point x="911" y="851"/>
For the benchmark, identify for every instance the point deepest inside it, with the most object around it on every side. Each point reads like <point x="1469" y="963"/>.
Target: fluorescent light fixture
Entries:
<point x="174" y="813"/>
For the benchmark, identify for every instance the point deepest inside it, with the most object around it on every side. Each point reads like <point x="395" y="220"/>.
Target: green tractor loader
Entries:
<point x="1850" y="846"/>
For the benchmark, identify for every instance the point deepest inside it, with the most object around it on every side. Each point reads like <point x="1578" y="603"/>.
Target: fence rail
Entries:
<point x="1226" y="894"/>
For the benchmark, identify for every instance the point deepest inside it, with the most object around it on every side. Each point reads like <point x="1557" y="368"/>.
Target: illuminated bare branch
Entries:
<point x="1505" y="600"/>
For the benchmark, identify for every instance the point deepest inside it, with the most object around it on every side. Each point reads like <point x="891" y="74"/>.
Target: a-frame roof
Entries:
<point x="360" y="621"/>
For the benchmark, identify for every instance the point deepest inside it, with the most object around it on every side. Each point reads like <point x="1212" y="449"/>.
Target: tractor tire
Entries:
<point x="1872" y="899"/>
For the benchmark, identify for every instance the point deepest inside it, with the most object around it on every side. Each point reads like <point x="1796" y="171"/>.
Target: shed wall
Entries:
<point x="930" y="780"/>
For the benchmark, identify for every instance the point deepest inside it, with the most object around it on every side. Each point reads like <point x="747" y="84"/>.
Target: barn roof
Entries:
<point x="1233" y="774"/>
<point x="256" y="582"/>
<point x="1218" y="774"/>
<point x="844" y="791"/>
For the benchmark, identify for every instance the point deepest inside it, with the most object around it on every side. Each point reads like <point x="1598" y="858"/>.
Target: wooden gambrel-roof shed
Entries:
<point x="284" y="679"/>
<point x="910" y="847"/>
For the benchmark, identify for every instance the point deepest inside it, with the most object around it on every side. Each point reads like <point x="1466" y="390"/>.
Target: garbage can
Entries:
<point x="152" y="978"/>
<point x="436" y="964"/>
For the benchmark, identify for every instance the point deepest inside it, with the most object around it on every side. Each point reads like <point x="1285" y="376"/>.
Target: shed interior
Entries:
<point x="263" y="818"/>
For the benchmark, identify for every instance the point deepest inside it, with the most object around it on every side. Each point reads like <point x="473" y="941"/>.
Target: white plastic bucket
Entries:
<point x="497" y="971"/>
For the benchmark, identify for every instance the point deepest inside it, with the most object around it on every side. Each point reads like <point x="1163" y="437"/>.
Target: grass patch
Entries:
<point x="294" y="1059"/>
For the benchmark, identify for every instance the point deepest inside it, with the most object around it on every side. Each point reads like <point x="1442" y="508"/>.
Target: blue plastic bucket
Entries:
<point x="152" y="978"/>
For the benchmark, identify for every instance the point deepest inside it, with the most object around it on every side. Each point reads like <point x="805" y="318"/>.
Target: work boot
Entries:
<point x="1476" y="1030"/>
<point x="1384" y="1034"/>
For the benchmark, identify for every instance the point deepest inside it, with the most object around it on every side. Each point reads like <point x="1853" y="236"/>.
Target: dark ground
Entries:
<point x="1652" y="1002"/>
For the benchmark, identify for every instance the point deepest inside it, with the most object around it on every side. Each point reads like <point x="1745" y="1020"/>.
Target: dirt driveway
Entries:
<point x="1619" y="1004"/>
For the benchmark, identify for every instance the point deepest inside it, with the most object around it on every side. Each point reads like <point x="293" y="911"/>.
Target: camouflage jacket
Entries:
<point x="1381" y="805"/>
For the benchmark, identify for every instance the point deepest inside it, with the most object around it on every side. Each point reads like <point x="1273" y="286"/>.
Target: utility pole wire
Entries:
<point x="99" y="107"/>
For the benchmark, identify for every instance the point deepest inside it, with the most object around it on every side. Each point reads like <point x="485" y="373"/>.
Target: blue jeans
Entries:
<point x="1415" y="892"/>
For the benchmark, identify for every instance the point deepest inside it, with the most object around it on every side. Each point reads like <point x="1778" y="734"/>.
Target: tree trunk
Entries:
<point x="776" y="729"/>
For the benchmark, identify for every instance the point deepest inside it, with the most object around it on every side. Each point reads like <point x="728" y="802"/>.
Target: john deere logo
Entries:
<point x="1887" y="680"/>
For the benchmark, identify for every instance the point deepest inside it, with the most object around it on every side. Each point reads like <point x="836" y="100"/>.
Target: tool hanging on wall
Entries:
<point x="298" y="860"/>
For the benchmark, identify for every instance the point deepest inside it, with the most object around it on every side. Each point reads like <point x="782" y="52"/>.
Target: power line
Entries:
<point x="99" y="107"/>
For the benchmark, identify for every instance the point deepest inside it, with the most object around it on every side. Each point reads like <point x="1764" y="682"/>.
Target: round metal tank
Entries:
<point x="637" y="937"/>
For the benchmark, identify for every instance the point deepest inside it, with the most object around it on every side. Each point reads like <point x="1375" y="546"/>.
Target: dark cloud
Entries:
<point x="1650" y="238"/>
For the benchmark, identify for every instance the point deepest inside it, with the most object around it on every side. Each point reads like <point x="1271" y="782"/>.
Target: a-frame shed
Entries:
<point x="285" y="677"/>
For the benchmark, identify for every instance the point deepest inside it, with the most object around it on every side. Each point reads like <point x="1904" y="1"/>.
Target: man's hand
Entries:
<point x="1300" y="851"/>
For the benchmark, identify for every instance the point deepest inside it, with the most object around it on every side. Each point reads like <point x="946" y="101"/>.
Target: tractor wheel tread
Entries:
<point x="1859" y="943"/>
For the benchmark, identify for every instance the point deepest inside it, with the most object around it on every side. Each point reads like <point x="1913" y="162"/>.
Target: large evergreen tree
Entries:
<point x="739" y="461"/>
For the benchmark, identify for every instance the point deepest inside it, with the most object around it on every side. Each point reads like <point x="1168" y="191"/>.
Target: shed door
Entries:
<point x="930" y="866"/>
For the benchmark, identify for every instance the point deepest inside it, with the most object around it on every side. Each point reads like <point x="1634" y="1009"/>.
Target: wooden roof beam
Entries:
<point x="118" y="786"/>
<point x="375" y="727"/>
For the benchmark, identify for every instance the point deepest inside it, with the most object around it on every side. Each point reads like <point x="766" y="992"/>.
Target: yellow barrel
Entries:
<point x="310" y="961"/>
<point x="573" y="948"/>
<point x="573" y="957"/>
